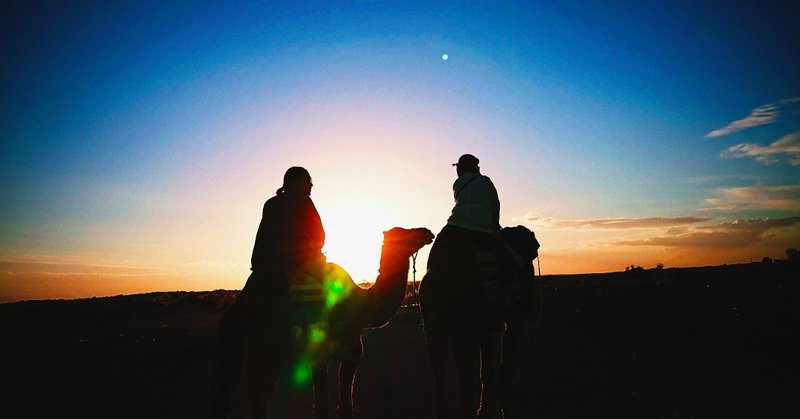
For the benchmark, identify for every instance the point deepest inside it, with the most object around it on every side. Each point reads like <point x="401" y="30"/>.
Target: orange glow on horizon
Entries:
<point x="59" y="285"/>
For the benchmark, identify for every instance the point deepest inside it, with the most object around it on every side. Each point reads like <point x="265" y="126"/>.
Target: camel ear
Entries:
<point x="389" y="232"/>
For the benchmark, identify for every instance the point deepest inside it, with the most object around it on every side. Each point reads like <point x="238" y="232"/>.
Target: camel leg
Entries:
<point x="511" y="338"/>
<point x="347" y="374"/>
<point x="437" y="352"/>
<point x="466" y="355"/>
<point x="262" y="368"/>
<point x="348" y="365"/>
<point x="491" y="361"/>
<point x="229" y="361"/>
<point x="319" y="376"/>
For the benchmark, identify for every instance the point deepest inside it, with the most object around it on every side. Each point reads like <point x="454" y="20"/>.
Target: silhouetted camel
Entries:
<point x="257" y="331"/>
<point x="468" y="304"/>
<point x="515" y="311"/>
<point x="371" y="307"/>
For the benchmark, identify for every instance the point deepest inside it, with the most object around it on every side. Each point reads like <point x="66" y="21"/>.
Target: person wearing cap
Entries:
<point x="452" y="291"/>
<point x="477" y="207"/>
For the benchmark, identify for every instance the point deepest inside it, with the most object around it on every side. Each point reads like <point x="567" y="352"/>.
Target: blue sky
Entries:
<point x="148" y="135"/>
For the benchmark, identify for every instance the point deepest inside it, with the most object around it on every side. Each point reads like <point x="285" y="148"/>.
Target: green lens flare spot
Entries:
<point x="317" y="335"/>
<point x="335" y="291"/>
<point x="336" y="286"/>
<point x="302" y="374"/>
<point x="331" y="300"/>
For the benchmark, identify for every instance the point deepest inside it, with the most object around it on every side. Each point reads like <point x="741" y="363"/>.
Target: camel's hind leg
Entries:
<point x="262" y="371"/>
<point x="438" y="346"/>
<point x="491" y="367"/>
<point x="466" y="355"/>
<point x="319" y="376"/>
<point x="348" y="365"/>
<point x="347" y="373"/>
<point x="511" y="339"/>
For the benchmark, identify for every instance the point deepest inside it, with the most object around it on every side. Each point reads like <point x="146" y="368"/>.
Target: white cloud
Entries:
<point x="762" y="115"/>
<point x="725" y="235"/>
<point x="43" y="268"/>
<point x="614" y="223"/>
<point x="776" y="197"/>
<point x="726" y="178"/>
<point x="788" y="144"/>
<point x="606" y="244"/>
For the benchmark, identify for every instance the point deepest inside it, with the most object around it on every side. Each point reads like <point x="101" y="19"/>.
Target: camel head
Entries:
<point x="407" y="241"/>
<point x="523" y="241"/>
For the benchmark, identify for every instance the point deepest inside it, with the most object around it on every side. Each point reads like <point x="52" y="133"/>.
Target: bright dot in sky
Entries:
<point x="445" y="57"/>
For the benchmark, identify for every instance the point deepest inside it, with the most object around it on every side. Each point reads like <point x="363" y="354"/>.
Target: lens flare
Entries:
<point x="313" y="316"/>
<point x="317" y="333"/>
<point x="335" y="290"/>
<point x="302" y="374"/>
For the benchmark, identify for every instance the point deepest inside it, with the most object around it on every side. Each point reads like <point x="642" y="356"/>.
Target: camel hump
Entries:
<point x="335" y="270"/>
<point x="337" y="280"/>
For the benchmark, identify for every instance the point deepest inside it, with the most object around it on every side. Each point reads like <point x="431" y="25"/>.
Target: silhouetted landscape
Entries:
<point x="669" y="343"/>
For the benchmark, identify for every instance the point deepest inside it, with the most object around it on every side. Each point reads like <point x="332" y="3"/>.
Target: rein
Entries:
<point x="414" y="273"/>
<point x="416" y="305"/>
<point x="529" y="323"/>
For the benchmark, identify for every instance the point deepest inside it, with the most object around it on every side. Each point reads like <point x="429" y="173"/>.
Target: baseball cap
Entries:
<point x="467" y="160"/>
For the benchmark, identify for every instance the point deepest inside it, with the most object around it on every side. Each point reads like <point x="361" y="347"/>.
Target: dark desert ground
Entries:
<point x="660" y="343"/>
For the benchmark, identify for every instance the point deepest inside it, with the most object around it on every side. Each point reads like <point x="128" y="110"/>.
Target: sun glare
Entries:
<point x="353" y="238"/>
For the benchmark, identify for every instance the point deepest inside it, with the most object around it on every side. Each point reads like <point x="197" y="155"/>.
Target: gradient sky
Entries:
<point x="139" y="140"/>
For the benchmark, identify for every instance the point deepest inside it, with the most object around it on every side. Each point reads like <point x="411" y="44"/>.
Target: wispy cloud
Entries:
<point x="762" y="115"/>
<point x="788" y="144"/>
<point x="724" y="178"/>
<point x="725" y="235"/>
<point x="777" y="197"/>
<point x="615" y="223"/>
<point x="594" y="245"/>
<point x="35" y="280"/>
<point x="42" y="268"/>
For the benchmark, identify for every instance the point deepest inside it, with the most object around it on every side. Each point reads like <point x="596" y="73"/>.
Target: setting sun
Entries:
<point x="354" y="233"/>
